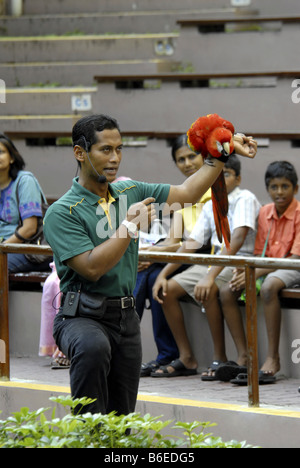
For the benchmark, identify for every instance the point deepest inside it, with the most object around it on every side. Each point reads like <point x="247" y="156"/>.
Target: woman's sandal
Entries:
<point x="179" y="370"/>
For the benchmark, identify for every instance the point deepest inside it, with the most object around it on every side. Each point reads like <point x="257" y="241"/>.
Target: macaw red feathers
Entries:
<point x="213" y="135"/>
<point x="220" y="210"/>
<point x="202" y="129"/>
<point x="218" y="141"/>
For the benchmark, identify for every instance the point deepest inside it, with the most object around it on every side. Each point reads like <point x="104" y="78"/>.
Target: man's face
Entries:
<point x="106" y="154"/>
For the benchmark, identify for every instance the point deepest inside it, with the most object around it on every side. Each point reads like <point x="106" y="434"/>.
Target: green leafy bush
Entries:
<point x="32" y="429"/>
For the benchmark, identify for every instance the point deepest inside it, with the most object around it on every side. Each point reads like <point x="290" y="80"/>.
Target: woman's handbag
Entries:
<point x="38" y="237"/>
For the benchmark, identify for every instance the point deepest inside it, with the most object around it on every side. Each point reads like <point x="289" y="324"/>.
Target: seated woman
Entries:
<point x="20" y="206"/>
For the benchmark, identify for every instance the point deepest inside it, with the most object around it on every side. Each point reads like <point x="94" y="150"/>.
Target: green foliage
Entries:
<point x="32" y="429"/>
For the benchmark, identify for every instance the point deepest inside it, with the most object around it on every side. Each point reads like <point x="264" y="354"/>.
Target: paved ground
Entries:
<point x="282" y="394"/>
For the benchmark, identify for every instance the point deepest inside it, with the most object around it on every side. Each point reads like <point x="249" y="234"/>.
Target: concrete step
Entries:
<point x="126" y="22"/>
<point x="93" y="23"/>
<point x="31" y="7"/>
<point x="158" y="97"/>
<point x="73" y="73"/>
<point x="71" y="6"/>
<point x="52" y="123"/>
<point x="89" y="47"/>
<point x="225" y="52"/>
<point x="49" y="100"/>
<point x="150" y="108"/>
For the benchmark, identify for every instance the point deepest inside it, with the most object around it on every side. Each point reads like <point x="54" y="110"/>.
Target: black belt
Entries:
<point x="121" y="302"/>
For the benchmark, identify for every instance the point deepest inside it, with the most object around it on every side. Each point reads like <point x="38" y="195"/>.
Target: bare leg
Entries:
<point x="216" y="324"/>
<point x="234" y="322"/>
<point x="175" y="319"/>
<point x="272" y="310"/>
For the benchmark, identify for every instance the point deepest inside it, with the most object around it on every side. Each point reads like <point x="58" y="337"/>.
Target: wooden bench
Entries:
<point x="29" y="281"/>
<point x="192" y="76"/>
<point x="200" y="22"/>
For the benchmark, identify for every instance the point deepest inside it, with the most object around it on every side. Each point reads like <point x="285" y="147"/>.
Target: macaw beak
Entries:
<point x="226" y="148"/>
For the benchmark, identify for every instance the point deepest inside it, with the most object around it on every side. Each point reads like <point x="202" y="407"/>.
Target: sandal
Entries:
<point x="179" y="370"/>
<point x="210" y="374"/>
<point x="229" y="371"/>
<point x="147" y="368"/>
<point x="241" y="379"/>
<point x="263" y="379"/>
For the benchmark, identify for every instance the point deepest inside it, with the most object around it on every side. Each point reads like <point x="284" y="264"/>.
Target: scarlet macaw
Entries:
<point x="213" y="135"/>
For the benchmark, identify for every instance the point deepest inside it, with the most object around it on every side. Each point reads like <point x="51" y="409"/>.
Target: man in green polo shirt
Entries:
<point x="93" y="231"/>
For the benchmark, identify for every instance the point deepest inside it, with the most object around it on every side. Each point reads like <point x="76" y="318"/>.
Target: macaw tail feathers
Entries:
<point x="220" y="210"/>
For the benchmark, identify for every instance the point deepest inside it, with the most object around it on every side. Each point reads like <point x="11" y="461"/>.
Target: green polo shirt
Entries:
<point x="79" y="221"/>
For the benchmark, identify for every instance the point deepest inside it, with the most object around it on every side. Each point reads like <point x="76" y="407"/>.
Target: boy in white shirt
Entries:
<point x="203" y="283"/>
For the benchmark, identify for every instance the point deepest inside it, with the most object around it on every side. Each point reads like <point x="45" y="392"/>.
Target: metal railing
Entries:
<point x="249" y="263"/>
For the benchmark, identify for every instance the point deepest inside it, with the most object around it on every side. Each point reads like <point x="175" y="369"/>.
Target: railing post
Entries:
<point x="251" y="318"/>
<point x="4" y="327"/>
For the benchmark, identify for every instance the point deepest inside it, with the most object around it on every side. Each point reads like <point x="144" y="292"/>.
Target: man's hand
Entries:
<point x="142" y="213"/>
<point x="238" y="280"/>
<point x="160" y="288"/>
<point x="245" y="146"/>
<point x="203" y="288"/>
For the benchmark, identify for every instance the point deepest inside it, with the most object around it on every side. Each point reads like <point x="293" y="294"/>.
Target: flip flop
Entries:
<point x="148" y="367"/>
<point x="241" y="379"/>
<point x="263" y="379"/>
<point x="212" y="368"/>
<point x="179" y="370"/>
<point x="229" y="370"/>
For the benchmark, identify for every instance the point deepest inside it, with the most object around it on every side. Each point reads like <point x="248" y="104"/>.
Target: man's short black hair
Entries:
<point x="279" y="169"/>
<point x="84" y="131"/>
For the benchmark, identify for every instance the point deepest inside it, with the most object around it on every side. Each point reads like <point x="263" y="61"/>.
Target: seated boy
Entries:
<point x="278" y="235"/>
<point x="201" y="283"/>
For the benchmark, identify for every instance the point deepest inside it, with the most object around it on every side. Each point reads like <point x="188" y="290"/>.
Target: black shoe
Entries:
<point x="148" y="367"/>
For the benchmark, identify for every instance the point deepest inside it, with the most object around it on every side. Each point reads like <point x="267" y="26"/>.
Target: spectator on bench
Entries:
<point x="20" y="206"/>
<point x="278" y="235"/>
<point x="202" y="284"/>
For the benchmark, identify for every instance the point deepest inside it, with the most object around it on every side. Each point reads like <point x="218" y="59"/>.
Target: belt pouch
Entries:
<point x="92" y="305"/>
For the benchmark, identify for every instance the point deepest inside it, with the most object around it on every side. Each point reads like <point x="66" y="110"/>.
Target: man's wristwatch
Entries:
<point x="131" y="228"/>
